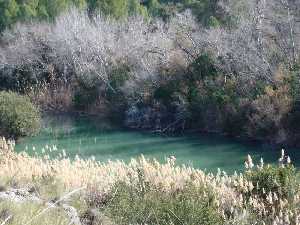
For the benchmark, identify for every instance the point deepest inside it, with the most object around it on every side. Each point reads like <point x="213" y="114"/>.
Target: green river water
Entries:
<point x="88" y="137"/>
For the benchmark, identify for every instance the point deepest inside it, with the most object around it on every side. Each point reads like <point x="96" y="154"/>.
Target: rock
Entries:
<point x="6" y="145"/>
<point x="27" y="195"/>
<point x="93" y="217"/>
<point x="19" y="195"/>
<point x="72" y="214"/>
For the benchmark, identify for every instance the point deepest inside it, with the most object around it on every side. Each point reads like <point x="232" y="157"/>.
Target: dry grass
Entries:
<point x="20" y="213"/>
<point x="56" y="97"/>
<point x="239" y="200"/>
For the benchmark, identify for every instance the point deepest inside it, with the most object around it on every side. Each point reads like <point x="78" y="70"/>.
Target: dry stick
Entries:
<point x="113" y="196"/>
<point x="6" y="220"/>
<point x="155" y="216"/>
<point x="61" y="199"/>
<point x="13" y="176"/>
<point x="179" y="220"/>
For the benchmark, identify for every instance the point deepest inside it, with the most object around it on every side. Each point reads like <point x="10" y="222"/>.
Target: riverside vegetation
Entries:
<point x="144" y="191"/>
<point x="18" y="116"/>
<point x="230" y="67"/>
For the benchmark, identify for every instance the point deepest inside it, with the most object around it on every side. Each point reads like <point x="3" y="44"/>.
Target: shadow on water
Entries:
<point x="88" y="137"/>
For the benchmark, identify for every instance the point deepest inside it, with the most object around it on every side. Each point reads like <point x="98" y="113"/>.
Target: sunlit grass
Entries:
<point x="263" y="194"/>
<point x="22" y="213"/>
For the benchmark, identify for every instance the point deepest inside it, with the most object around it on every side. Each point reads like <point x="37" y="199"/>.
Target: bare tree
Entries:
<point x="74" y="43"/>
<point x="265" y="37"/>
<point x="266" y="34"/>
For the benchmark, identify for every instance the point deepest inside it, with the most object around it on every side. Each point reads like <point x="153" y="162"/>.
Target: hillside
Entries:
<point x="227" y="67"/>
<point x="239" y="78"/>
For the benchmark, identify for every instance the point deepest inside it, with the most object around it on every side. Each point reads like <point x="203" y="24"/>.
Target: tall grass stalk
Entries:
<point x="263" y="194"/>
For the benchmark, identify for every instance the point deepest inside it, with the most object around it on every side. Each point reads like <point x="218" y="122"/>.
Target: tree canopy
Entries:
<point x="12" y="11"/>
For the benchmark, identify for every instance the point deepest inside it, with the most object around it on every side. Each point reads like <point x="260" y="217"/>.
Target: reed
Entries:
<point x="263" y="194"/>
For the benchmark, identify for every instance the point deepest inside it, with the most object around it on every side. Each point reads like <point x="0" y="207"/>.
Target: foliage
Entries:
<point x="12" y="11"/>
<point x="56" y="97"/>
<point x="20" y="213"/>
<point x="272" y="179"/>
<point x="205" y="11"/>
<point x="166" y="74"/>
<point x="18" y="116"/>
<point x="208" y="13"/>
<point x="8" y="13"/>
<point x="102" y="62"/>
<point x="86" y="93"/>
<point x="269" y="112"/>
<point x="145" y="190"/>
<point x="142" y="204"/>
<point x="272" y="185"/>
<point x="202" y="67"/>
<point x="117" y="8"/>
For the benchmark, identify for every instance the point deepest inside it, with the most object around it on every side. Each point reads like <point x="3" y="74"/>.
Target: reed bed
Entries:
<point x="263" y="194"/>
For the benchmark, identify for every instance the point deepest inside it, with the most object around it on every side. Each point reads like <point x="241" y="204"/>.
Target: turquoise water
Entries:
<point x="88" y="137"/>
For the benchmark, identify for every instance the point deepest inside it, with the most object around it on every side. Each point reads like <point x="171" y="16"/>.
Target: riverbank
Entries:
<point x="100" y="117"/>
<point x="149" y="191"/>
<point x="175" y="84"/>
<point x="88" y="137"/>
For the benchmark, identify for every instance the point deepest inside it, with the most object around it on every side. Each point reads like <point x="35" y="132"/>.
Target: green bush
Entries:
<point x="281" y="180"/>
<point x="18" y="116"/>
<point x="85" y="97"/>
<point x="142" y="204"/>
<point x="13" y="11"/>
<point x="203" y="67"/>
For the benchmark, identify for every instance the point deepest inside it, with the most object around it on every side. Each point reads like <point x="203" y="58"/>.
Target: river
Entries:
<point x="88" y="137"/>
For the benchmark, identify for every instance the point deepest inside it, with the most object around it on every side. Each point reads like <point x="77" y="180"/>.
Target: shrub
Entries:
<point x="203" y="67"/>
<point x="269" y="113"/>
<point x="18" y="116"/>
<point x="56" y="97"/>
<point x="142" y="204"/>
<point x="22" y="213"/>
<point x="84" y="97"/>
<point x="272" y="185"/>
<point x="148" y="192"/>
<point x="274" y="179"/>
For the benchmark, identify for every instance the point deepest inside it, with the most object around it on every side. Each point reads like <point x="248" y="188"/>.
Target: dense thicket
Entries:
<point x="18" y="116"/>
<point x="166" y="75"/>
<point x="12" y="11"/>
<point x="146" y="191"/>
<point x="210" y="13"/>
